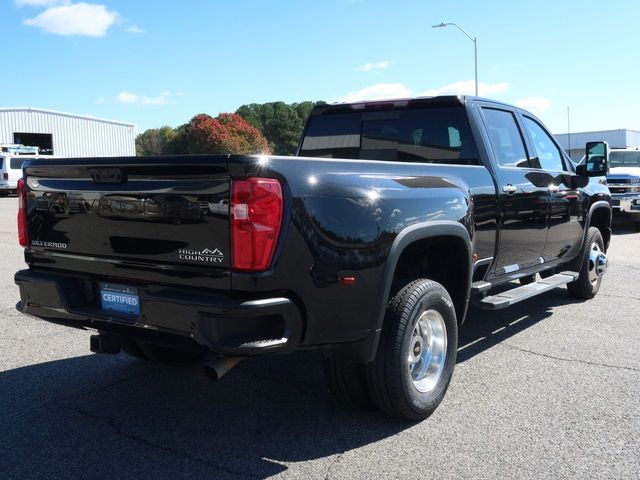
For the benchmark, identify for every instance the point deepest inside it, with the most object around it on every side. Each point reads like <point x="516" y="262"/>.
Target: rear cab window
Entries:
<point x="426" y="134"/>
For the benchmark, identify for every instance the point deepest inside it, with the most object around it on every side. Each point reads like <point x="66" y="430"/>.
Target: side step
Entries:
<point x="515" y="295"/>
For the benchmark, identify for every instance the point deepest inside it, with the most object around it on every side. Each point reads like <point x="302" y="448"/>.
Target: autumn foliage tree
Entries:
<point x="226" y="133"/>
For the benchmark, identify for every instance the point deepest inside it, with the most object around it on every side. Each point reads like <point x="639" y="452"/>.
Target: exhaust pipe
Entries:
<point x="215" y="369"/>
<point x="105" y="343"/>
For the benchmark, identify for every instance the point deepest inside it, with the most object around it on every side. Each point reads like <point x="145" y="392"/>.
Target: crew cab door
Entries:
<point x="522" y="203"/>
<point x="564" y="233"/>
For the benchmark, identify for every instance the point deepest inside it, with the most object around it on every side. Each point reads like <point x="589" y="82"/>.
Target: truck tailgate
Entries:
<point x="165" y="219"/>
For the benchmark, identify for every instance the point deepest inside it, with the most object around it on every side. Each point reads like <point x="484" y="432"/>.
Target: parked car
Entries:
<point x="12" y="157"/>
<point x="624" y="182"/>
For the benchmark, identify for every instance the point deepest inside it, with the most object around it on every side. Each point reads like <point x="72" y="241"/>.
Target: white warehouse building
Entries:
<point x="574" y="143"/>
<point x="66" y="134"/>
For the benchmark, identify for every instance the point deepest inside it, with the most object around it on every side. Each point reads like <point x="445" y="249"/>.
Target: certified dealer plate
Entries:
<point x="120" y="298"/>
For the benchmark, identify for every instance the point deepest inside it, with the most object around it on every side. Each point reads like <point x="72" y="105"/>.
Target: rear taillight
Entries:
<point x="256" y="215"/>
<point x="5" y="176"/>
<point x="23" y="233"/>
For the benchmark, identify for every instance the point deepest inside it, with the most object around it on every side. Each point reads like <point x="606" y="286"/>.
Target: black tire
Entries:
<point x="4" y="193"/>
<point x="389" y="376"/>
<point x="527" y="280"/>
<point x="169" y="356"/>
<point x="348" y="382"/>
<point x="588" y="283"/>
<point x="636" y="225"/>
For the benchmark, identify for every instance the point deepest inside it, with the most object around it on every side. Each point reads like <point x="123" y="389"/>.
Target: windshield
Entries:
<point x="427" y="134"/>
<point x="624" y="159"/>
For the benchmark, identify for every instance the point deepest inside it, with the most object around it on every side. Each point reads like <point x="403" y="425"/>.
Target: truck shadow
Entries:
<point x="116" y="417"/>
<point x="484" y="329"/>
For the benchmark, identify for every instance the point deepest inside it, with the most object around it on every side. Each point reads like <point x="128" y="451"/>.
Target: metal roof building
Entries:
<point x="574" y="144"/>
<point x="66" y="134"/>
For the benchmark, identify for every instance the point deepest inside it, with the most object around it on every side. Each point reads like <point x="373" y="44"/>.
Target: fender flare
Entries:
<point x="595" y="206"/>
<point x="413" y="233"/>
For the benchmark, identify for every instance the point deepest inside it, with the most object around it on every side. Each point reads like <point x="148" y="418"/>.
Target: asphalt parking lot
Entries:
<point x="547" y="389"/>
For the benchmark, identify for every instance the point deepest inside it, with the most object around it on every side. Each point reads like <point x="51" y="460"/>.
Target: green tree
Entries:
<point x="154" y="141"/>
<point x="280" y="123"/>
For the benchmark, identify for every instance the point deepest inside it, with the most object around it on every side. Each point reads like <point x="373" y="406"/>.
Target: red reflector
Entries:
<point x="256" y="215"/>
<point x="347" y="280"/>
<point x="23" y="233"/>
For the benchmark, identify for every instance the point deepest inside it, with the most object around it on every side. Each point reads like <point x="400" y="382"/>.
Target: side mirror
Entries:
<point x="596" y="162"/>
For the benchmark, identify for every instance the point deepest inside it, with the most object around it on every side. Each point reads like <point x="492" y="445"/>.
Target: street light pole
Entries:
<point x="475" y="46"/>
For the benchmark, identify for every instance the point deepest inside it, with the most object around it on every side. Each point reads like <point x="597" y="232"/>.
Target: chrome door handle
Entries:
<point x="554" y="188"/>
<point x="510" y="189"/>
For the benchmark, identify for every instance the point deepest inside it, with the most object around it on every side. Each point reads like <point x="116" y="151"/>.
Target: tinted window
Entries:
<point x="506" y="138"/>
<point x="16" y="163"/>
<point x="546" y="154"/>
<point x="433" y="135"/>
<point x="624" y="159"/>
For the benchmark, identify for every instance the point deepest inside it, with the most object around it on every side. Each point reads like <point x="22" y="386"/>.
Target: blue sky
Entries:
<point x="160" y="62"/>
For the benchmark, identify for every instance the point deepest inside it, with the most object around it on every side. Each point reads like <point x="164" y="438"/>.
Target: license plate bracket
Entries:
<point x="119" y="298"/>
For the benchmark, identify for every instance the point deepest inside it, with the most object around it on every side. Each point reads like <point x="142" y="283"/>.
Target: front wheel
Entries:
<point x="417" y="352"/>
<point x="592" y="267"/>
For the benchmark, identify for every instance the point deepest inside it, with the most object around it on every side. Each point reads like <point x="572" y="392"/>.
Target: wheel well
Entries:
<point x="601" y="219"/>
<point x="444" y="259"/>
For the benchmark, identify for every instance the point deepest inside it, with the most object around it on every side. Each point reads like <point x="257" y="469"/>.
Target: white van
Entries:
<point x="12" y="157"/>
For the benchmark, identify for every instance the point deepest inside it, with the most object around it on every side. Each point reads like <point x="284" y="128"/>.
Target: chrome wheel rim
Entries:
<point x="597" y="263"/>
<point x="427" y="350"/>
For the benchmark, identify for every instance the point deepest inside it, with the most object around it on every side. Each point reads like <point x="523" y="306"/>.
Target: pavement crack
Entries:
<point x="615" y="295"/>
<point x="112" y="423"/>
<point x="569" y="360"/>
<point x="86" y="392"/>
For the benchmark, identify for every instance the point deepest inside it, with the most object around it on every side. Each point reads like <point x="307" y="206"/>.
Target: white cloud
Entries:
<point x="101" y="100"/>
<point x="466" y="87"/>
<point x="379" y="91"/>
<point x="367" y="67"/>
<point x="135" y="29"/>
<point x="126" y="97"/>
<point x="86" y="19"/>
<point x="535" y="104"/>
<point x="132" y="99"/>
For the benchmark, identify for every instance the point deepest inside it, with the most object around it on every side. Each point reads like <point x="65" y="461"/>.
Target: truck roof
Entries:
<point x="389" y="104"/>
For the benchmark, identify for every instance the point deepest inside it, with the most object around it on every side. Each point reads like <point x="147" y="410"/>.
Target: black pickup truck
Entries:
<point x="369" y="245"/>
